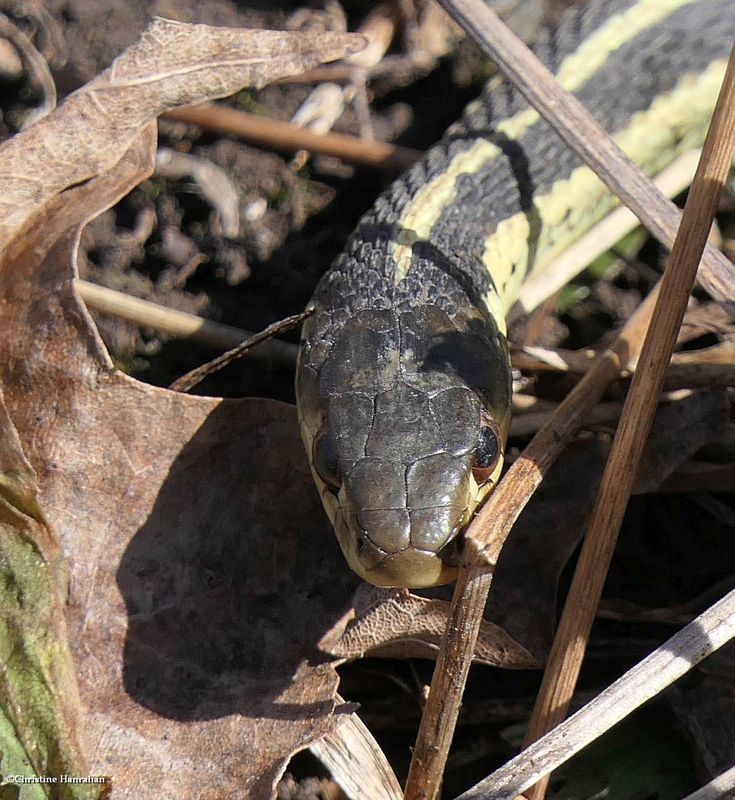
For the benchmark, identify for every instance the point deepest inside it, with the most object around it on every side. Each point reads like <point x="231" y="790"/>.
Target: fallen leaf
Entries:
<point x="42" y="737"/>
<point x="396" y="623"/>
<point x="196" y="594"/>
<point x="172" y="64"/>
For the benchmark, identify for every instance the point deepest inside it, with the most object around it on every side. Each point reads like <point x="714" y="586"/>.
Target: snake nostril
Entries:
<point x="360" y="544"/>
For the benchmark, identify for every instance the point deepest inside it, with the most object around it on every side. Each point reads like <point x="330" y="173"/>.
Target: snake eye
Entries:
<point x="487" y="452"/>
<point x="326" y="462"/>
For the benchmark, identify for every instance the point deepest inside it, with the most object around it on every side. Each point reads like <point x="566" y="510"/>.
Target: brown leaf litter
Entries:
<point x="203" y="588"/>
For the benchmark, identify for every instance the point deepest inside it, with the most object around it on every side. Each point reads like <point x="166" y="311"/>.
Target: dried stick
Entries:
<point x="195" y="376"/>
<point x="484" y="540"/>
<point x="579" y="129"/>
<point x="717" y="788"/>
<point x="709" y="631"/>
<point x="279" y="135"/>
<point x="487" y="533"/>
<point x="180" y="323"/>
<point x="567" y="653"/>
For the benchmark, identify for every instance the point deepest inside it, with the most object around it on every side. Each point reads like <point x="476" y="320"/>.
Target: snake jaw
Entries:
<point x="409" y="322"/>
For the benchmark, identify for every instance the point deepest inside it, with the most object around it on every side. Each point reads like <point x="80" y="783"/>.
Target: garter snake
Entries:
<point x="403" y="382"/>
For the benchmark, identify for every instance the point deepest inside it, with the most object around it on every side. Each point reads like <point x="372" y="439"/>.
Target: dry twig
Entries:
<point x="492" y="525"/>
<point x="189" y="380"/>
<point x="279" y="135"/>
<point x="567" y="653"/>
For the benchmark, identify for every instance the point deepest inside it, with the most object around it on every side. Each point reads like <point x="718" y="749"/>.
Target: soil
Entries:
<point x="293" y="224"/>
<point x="293" y="221"/>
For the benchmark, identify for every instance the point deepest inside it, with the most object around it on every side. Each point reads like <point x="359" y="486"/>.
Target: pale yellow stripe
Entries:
<point x="578" y="67"/>
<point x="436" y="195"/>
<point x="651" y="138"/>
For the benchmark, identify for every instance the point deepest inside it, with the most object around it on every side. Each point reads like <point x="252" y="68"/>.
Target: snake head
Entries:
<point x="403" y="443"/>
<point x="399" y="523"/>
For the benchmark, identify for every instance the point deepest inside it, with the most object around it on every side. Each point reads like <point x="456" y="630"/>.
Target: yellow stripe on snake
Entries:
<point x="403" y="382"/>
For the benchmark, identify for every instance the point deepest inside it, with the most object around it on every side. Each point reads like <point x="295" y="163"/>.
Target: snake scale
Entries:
<point x="403" y="382"/>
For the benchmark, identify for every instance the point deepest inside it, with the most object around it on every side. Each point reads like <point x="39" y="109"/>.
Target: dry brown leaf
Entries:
<point x="196" y="594"/>
<point x="399" y="624"/>
<point x="172" y="64"/>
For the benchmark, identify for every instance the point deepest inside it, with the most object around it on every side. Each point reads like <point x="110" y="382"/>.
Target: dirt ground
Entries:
<point x="293" y="221"/>
<point x="164" y="242"/>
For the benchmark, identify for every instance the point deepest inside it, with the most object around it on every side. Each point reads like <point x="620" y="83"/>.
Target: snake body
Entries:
<point x="403" y="382"/>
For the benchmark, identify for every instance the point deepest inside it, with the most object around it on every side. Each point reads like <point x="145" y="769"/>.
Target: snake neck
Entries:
<point x="403" y="368"/>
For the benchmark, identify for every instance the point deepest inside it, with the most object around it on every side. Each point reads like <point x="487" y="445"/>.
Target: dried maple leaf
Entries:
<point x="195" y="593"/>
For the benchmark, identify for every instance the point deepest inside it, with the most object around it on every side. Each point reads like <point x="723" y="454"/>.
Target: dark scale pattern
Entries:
<point x="648" y="66"/>
<point x="500" y="99"/>
<point x="399" y="373"/>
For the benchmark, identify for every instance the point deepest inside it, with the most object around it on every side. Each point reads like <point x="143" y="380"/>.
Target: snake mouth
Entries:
<point x="410" y="569"/>
<point x="414" y="567"/>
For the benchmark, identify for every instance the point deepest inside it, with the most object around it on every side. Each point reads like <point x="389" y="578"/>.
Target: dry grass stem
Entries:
<point x="599" y="239"/>
<point x="279" y="135"/>
<point x="562" y="670"/>
<point x="709" y="631"/>
<point x="180" y="323"/>
<point x="717" y="788"/>
<point x="579" y="129"/>
<point x="699" y="376"/>
<point x="195" y="376"/>
<point x="490" y="528"/>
